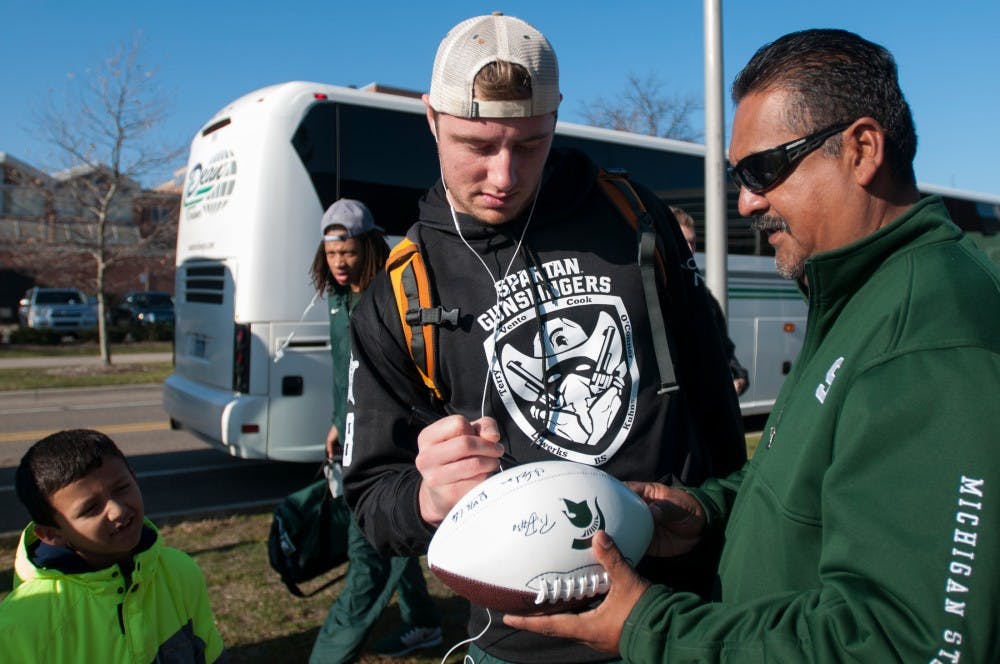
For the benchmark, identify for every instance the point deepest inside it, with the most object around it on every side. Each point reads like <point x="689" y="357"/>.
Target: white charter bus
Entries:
<point x="252" y="358"/>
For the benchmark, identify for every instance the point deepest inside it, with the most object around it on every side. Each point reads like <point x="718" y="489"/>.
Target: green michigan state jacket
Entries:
<point x="866" y="526"/>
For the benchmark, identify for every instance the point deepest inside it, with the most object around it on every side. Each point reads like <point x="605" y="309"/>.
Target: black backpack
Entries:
<point x="418" y="315"/>
<point x="308" y="536"/>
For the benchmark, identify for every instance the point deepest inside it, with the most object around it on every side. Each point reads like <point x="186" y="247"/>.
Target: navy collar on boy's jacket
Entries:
<point x="64" y="559"/>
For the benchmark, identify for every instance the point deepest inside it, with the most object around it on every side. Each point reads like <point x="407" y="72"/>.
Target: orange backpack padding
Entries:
<point x="420" y="315"/>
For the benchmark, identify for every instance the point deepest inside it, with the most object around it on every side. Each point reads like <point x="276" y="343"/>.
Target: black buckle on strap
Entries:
<point x="432" y="316"/>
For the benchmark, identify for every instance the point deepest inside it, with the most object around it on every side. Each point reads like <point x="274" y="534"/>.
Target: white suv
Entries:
<point x="56" y="309"/>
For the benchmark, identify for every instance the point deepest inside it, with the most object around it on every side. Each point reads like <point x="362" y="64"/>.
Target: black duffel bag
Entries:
<point x="308" y="535"/>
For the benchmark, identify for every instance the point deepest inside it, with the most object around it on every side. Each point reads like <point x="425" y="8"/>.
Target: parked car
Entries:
<point x="56" y="309"/>
<point x="142" y="308"/>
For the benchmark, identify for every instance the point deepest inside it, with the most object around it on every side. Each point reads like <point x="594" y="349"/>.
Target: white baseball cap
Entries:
<point x="475" y="43"/>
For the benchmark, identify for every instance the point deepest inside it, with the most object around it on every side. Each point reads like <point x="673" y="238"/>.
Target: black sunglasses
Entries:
<point x="760" y="171"/>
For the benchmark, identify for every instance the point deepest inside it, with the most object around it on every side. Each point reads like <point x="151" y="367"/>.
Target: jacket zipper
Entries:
<point x="126" y="572"/>
<point x="807" y="344"/>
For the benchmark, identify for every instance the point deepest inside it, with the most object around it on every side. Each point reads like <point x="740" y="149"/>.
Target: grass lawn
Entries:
<point x="81" y="349"/>
<point x="78" y="376"/>
<point x="70" y="375"/>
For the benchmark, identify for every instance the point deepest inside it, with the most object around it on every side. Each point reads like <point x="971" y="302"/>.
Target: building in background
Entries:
<point x="47" y="236"/>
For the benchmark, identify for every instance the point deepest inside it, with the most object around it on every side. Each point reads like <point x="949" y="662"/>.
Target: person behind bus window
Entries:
<point x="93" y="580"/>
<point x="352" y="251"/>
<point x="550" y="353"/>
<point x="741" y="377"/>
<point x="866" y="526"/>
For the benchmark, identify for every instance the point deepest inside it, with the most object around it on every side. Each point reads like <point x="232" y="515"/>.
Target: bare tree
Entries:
<point x="102" y="131"/>
<point x="644" y="108"/>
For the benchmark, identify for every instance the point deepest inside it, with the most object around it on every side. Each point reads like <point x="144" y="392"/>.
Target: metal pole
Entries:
<point x="715" y="159"/>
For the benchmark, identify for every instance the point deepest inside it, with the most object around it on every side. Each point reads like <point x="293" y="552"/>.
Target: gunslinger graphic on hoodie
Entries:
<point x="571" y="386"/>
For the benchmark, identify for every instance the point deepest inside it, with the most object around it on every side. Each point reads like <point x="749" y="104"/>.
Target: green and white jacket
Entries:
<point x="62" y="613"/>
<point x="866" y="526"/>
<point x="340" y="304"/>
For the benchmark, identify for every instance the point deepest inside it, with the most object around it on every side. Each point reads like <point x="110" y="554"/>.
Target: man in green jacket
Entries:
<point x="865" y="528"/>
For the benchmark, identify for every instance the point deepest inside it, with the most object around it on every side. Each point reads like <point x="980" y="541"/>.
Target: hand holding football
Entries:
<point x="520" y="542"/>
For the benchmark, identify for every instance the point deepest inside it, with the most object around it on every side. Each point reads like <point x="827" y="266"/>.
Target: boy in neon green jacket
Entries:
<point x="92" y="580"/>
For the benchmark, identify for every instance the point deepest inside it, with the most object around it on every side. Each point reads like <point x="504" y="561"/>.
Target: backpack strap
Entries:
<point x="617" y="187"/>
<point x="418" y="314"/>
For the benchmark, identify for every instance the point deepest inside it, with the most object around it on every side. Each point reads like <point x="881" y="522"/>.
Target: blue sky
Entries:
<point x="208" y="53"/>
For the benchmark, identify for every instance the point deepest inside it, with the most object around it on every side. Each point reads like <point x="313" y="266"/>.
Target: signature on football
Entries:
<point x="534" y="525"/>
<point x="471" y="503"/>
<point x="523" y="476"/>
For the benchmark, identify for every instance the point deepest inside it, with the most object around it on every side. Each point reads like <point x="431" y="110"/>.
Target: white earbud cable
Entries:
<point x="467" y="659"/>
<point x="517" y="249"/>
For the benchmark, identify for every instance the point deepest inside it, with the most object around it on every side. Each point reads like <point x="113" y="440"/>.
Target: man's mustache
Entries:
<point x="769" y="223"/>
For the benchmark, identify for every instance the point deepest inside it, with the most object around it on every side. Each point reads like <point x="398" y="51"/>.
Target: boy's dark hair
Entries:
<point x="54" y="462"/>
<point x="836" y="76"/>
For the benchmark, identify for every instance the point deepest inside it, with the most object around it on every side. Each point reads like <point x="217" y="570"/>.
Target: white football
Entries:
<point x="520" y="542"/>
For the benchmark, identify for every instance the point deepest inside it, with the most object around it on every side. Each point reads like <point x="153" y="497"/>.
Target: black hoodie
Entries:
<point x="566" y="337"/>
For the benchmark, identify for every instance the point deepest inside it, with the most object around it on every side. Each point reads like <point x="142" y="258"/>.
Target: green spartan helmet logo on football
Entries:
<point x="581" y="516"/>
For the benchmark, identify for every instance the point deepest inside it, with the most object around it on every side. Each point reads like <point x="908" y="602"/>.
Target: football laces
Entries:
<point x="559" y="589"/>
